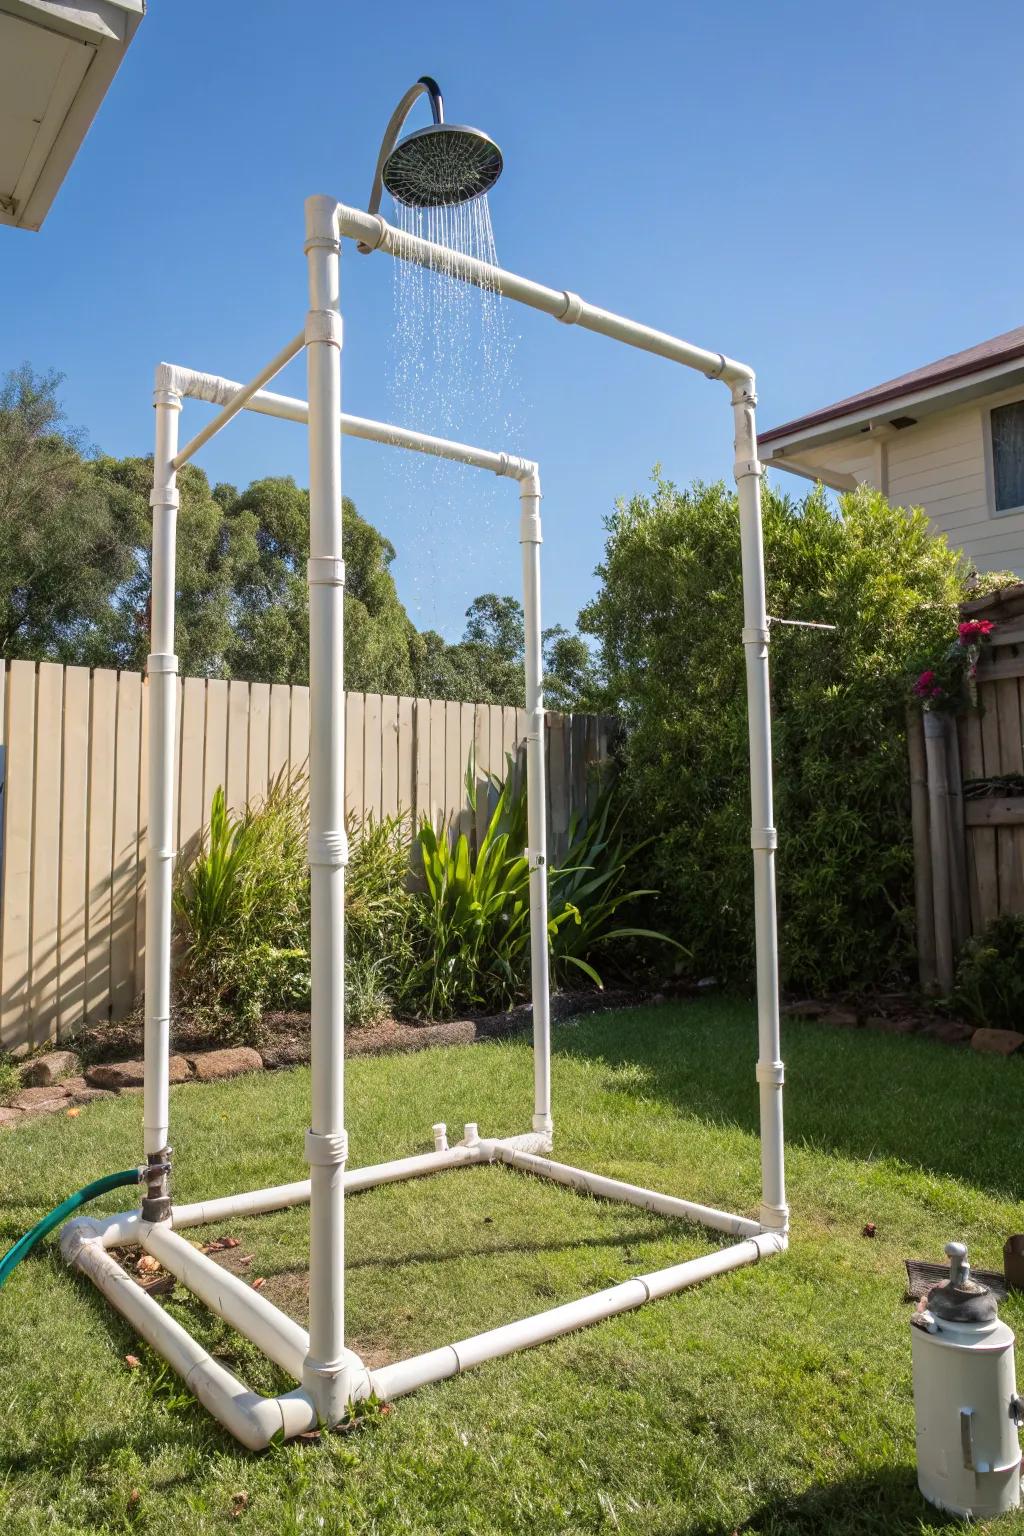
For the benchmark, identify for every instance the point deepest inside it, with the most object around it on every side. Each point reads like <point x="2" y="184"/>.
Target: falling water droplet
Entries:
<point x="451" y="374"/>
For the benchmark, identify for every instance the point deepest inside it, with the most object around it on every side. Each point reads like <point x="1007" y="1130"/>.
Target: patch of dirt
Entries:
<point x="284" y="1036"/>
<point x="288" y="1289"/>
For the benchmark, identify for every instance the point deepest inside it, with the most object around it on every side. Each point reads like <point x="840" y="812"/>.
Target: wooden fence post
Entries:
<point x="957" y="837"/>
<point x="923" y="899"/>
<point x="939" y="840"/>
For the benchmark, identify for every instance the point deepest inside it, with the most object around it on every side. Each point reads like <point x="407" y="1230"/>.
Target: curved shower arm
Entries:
<point x="426" y="85"/>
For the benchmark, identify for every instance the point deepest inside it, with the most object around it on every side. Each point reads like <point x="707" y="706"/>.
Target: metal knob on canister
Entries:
<point x="965" y="1397"/>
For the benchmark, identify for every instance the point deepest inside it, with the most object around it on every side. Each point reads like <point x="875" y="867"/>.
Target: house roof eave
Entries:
<point x="821" y="428"/>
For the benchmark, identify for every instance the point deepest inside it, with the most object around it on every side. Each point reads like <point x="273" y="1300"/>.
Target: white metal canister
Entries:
<point x="965" y="1398"/>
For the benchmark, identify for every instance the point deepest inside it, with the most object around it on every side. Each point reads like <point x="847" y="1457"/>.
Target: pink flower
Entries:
<point x="973" y="630"/>
<point x="923" y="686"/>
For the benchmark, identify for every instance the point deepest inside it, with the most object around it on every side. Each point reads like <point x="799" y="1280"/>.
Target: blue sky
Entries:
<point x="827" y="191"/>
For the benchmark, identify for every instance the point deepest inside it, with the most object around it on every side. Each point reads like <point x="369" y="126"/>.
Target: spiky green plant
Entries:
<point x="382" y="937"/>
<point x="476" y="906"/>
<point x="587" y="892"/>
<point x="242" y="908"/>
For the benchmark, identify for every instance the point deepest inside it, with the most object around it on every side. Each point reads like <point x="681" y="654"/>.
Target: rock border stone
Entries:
<point x="110" y="1079"/>
<point x="909" y="1020"/>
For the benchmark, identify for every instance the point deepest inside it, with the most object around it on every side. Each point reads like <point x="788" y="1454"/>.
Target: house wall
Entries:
<point x="942" y="465"/>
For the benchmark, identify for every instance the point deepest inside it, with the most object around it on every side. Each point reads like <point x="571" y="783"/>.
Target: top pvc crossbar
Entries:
<point x="373" y="233"/>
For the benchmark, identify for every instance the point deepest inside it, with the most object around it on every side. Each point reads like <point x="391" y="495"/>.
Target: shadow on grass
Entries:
<point x="885" y="1500"/>
<point x="652" y="1231"/>
<point x="851" y="1091"/>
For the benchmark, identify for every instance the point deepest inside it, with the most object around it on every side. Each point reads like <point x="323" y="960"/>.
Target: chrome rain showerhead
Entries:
<point x="442" y="165"/>
<point x="436" y="167"/>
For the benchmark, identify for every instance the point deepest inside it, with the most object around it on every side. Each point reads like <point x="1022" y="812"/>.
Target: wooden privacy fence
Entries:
<point x="73" y="775"/>
<point x="967" y="785"/>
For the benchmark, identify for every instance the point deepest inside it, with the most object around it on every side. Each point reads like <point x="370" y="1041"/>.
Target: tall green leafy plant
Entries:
<point x="476" y="907"/>
<point x="242" y="912"/>
<point x="242" y="909"/>
<point x="587" y="894"/>
<point x="476" y="904"/>
<point x="382" y="918"/>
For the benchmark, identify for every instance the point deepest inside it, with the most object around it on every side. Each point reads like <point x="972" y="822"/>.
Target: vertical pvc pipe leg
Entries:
<point x="161" y="669"/>
<point x="770" y="1072"/>
<point x="536" y="798"/>
<point x="326" y="1372"/>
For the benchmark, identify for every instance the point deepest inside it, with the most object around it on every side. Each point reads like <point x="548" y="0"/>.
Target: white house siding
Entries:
<point x="939" y="465"/>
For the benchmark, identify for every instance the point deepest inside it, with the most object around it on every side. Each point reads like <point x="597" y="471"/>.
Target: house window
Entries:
<point x="1008" y="455"/>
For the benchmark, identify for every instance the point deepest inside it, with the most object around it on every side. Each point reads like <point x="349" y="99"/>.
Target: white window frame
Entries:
<point x="1008" y="397"/>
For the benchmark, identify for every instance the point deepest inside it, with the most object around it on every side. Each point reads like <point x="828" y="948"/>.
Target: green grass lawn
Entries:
<point x="775" y="1399"/>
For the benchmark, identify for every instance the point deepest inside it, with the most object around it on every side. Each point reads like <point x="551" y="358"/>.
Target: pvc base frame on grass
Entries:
<point x="256" y="1420"/>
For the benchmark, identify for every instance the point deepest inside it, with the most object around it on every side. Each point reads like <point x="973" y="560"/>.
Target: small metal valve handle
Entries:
<point x="959" y="1269"/>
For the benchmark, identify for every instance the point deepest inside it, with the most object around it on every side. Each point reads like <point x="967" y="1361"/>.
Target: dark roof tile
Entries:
<point x="987" y="354"/>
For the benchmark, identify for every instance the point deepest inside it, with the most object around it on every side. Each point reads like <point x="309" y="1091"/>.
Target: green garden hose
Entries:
<point x="60" y="1213"/>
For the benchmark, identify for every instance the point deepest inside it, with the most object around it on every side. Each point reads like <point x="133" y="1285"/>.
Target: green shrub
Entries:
<point x="989" y="985"/>
<point x="476" y="907"/>
<point x="10" y="1080"/>
<point x="461" y="942"/>
<point x="368" y="999"/>
<point x="668" y="620"/>
<point x="382" y="918"/>
<point x="242" y="910"/>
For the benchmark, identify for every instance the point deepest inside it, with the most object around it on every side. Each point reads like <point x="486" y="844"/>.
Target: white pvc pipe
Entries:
<point x="255" y="1202"/>
<point x="258" y="1201"/>
<point x="406" y="1375"/>
<point x="161" y="669"/>
<point x="326" y="1375"/>
<point x="245" y="392"/>
<point x="585" y="1182"/>
<point x="252" y="1419"/>
<point x="530" y="538"/>
<point x="763" y="837"/>
<point x="373" y="231"/>
<point x="273" y="1331"/>
<point x="219" y="391"/>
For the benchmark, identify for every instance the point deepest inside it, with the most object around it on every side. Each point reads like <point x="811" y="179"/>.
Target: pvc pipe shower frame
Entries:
<point x="329" y="1377"/>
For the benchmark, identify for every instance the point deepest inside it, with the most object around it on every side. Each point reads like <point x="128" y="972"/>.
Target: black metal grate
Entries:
<point x="441" y="166"/>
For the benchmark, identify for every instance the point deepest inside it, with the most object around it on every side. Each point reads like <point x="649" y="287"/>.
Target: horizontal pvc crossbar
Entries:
<point x="225" y="392"/>
<point x="376" y="233"/>
<point x="584" y="1182"/>
<point x="392" y="1381"/>
<point x="258" y="1202"/>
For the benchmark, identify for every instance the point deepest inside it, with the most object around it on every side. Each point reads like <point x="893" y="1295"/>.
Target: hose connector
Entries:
<point x="155" y="1173"/>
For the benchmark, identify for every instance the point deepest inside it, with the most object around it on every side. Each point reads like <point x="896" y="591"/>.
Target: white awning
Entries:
<point x="56" y="62"/>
